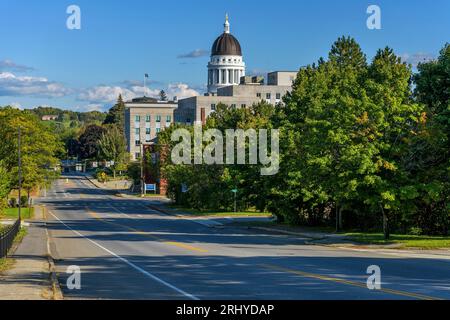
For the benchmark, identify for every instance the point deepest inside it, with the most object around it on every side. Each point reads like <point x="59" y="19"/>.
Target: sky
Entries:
<point x="42" y="62"/>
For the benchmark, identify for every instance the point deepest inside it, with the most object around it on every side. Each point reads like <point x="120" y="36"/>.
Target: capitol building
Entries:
<point x="227" y="83"/>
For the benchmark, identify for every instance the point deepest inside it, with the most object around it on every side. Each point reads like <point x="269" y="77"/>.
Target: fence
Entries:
<point x="7" y="238"/>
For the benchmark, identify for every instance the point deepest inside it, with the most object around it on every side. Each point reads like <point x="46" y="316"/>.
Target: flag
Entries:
<point x="146" y="75"/>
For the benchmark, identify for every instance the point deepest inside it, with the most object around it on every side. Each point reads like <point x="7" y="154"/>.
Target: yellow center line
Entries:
<point x="348" y="282"/>
<point x="146" y="234"/>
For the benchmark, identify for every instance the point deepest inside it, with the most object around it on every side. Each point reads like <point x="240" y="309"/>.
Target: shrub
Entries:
<point x="23" y="201"/>
<point x="13" y="202"/>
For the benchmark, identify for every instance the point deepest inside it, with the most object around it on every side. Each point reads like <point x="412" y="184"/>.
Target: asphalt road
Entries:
<point x="125" y="250"/>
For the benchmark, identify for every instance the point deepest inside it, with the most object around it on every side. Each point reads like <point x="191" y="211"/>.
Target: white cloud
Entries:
<point x="415" y="58"/>
<point x="12" y="85"/>
<point x="181" y="90"/>
<point x="197" y="53"/>
<point x="16" y="105"/>
<point x="109" y="94"/>
<point x="9" y="65"/>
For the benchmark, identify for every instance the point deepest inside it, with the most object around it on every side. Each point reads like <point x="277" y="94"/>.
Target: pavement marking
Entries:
<point x="147" y="234"/>
<point x="352" y="283"/>
<point x="185" y="246"/>
<point x="131" y="264"/>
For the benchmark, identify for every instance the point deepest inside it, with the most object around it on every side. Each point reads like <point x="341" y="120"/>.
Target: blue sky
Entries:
<point x="44" y="63"/>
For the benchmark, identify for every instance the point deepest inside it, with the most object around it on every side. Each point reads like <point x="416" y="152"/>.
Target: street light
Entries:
<point x="20" y="174"/>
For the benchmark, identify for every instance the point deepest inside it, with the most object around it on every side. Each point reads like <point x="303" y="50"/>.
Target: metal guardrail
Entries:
<point x="7" y="238"/>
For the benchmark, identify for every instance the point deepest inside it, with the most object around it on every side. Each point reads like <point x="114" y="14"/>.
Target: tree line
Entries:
<point x="39" y="152"/>
<point x="363" y="145"/>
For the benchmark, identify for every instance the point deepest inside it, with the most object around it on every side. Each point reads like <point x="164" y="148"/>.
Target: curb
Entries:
<point x="56" y="288"/>
<point x="291" y="233"/>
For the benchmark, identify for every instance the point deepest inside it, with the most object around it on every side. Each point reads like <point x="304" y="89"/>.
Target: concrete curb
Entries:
<point x="291" y="233"/>
<point x="56" y="288"/>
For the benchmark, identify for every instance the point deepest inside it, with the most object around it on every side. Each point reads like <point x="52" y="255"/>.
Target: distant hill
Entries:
<point x="70" y="116"/>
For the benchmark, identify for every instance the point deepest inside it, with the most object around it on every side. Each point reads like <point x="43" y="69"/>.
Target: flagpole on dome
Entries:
<point x="145" y="83"/>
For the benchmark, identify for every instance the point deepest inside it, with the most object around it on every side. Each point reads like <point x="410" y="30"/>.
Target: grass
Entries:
<point x="13" y="213"/>
<point x="7" y="263"/>
<point x="405" y="241"/>
<point x="220" y="213"/>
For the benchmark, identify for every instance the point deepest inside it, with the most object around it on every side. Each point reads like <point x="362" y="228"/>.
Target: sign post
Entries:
<point x="235" y="191"/>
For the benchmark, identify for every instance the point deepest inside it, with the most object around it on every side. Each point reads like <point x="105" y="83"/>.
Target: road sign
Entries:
<point x="150" y="187"/>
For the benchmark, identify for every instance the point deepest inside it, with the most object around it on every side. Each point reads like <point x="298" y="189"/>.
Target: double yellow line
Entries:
<point x="347" y="282"/>
<point x="147" y="234"/>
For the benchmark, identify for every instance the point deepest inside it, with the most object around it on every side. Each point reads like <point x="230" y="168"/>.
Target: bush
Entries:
<point x="13" y="202"/>
<point x="102" y="174"/>
<point x="23" y="201"/>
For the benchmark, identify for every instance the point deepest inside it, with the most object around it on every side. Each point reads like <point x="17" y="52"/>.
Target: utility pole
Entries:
<point x="142" y="172"/>
<point x="20" y="174"/>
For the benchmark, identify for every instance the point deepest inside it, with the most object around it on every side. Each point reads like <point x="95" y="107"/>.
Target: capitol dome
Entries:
<point x="226" y="66"/>
<point x="226" y="45"/>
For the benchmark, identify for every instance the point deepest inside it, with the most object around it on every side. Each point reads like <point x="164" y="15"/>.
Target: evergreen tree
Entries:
<point x="116" y="114"/>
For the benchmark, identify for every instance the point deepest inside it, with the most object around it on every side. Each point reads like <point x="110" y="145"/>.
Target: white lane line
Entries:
<point x="131" y="264"/>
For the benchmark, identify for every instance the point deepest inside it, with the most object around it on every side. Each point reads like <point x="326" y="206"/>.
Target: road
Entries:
<point x="125" y="250"/>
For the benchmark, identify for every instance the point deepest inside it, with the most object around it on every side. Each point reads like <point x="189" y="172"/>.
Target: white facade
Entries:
<point x="224" y="71"/>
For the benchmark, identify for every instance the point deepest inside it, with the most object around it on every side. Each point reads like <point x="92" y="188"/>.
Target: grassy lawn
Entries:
<point x="211" y="213"/>
<point x="13" y="213"/>
<point x="7" y="263"/>
<point x="406" y="241"/>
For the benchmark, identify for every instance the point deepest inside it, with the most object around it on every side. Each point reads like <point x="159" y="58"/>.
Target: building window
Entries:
<point x="233" y="106"/>
<point x="137" y="143"/>
<point x="137" y="155"/>
<point x="147" y="138"/>
<point x="137" y="131"/>
<point x="158" y="118"/>
<point x="169" y="119"/>
<point x="268" y="96"/>
<point x="278" y="96"/>
<point x="147" y="118"/>
<point x="258" y="95"/>
<point x="243" y="106"/>
<point x="137" y="118"/>
<point x="158" y="130"/>
<point x="213" y="107"/>
<point x="147" y="130"/>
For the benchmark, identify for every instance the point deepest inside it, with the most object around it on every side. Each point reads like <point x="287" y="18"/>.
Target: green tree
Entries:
<point x="112" y="147"/>
<point x="5" y="186"/>
<point x="89" y="142"/>
<point x="116" y="114"/>
<point x="162" y="95"/>
<point x="39" y="148"/>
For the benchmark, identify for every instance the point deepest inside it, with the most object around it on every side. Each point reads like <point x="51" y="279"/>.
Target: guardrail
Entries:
<point x="7" y="238"/>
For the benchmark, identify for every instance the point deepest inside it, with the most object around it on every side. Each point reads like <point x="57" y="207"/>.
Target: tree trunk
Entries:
<point x="28" y="200"/>
<point x="338" y="218"/>
<point x="385" y="224"/>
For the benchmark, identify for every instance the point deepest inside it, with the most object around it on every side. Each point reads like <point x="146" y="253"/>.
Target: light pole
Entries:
<point x="20" y="174"/>
<point x="142" y="171"/>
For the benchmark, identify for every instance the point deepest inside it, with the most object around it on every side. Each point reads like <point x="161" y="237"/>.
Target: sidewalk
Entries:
<point x="342" y="242"/>
<point x="29" y="277"/>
